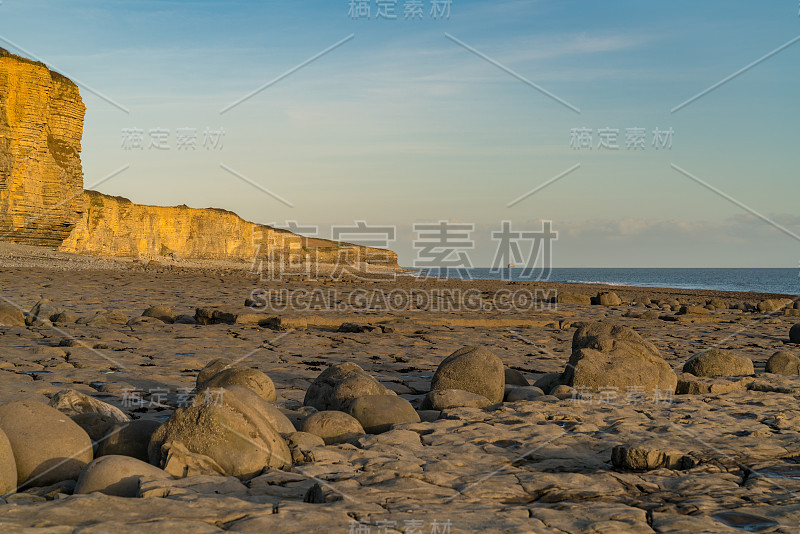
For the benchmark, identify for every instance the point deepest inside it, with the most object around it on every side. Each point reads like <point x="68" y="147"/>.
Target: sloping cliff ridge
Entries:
<point x="42" y="200"/>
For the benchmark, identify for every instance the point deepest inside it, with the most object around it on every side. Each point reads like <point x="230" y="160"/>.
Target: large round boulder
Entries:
<point x="272" y="413"/>
<point x="377" y="413"/>
<point x="48" y="446"/>
<point x="783" y="363"/>
<point x="339" y="385"/>
<point x="473" y="369"/>
<point x="116" y="475"/>
<point x="8" y="467"/>
<point x="243" y="376"/>
<point x="333" y="426"/>
<point x="228" y="429"/>
<point x="719" y="362"/>
<point x="606" y="355"/>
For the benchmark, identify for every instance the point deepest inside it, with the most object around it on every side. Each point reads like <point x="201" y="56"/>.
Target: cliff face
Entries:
<point x="42" y="201"/>
<point x="115" y="226"/>
<point x="41" y="179"/>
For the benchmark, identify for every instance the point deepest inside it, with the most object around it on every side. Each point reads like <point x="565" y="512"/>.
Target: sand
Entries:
<point x="541" y="465"/>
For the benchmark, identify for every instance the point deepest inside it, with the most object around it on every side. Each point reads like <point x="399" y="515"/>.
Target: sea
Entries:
<point x="782" y="281"/>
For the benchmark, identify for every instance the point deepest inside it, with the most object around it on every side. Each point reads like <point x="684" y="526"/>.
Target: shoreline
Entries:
<point x="27" y="257"/>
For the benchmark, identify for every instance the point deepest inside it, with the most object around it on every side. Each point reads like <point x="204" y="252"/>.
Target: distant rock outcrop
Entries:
<point x="42" y="201"/>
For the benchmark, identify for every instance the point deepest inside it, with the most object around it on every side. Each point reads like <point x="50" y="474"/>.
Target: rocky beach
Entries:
<point x="181" y="368"/>
<point x="147" y="397"/>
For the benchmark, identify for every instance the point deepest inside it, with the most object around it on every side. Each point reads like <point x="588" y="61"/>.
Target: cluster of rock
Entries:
<point x="234" y="426"/>
<point x="681" y="307"/>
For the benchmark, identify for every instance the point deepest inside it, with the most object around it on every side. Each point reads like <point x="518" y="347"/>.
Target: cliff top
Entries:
<point x="55" y="75"/>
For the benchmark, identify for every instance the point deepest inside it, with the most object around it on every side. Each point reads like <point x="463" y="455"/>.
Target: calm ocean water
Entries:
<point x="785" y="281"/>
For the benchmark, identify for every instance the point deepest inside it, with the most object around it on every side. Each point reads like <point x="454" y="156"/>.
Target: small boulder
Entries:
<point x="524" y="394"/>
<point x="548" y="381"/>
<point x="719" y="362"/>
<point x="515" y="378"/>
<point x="129" y="439"/>
<point x="48" y="446"/>
<point x="783" y="363"/>
<point x="333" y="426"/>
<point x="774" y="305"/>
<point x="444" y="399"/>
<point x="73" y="402"/>
<point x="41" y="311"/>
<point x="607" y="298"/>
<point x="646" y="459"/>
<point x="11" y="316"/>
<point x="794" y="333"/>
<point x="377" y="413"/>
<point x="213" y="367"/>
<point x="116" y="475"/>
<point x="565" y="297"/>
<point x="339" y="385"/>
<point x="473" y="369"/>
<point x="161" y="312"/>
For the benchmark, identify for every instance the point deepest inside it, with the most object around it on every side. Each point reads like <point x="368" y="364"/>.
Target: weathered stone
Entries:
<point x="333" y="426"/>
<point x="783" y="363"/>
<point x="548" y="381"/>
<point x="161" y="312"/>
<point x="377" y="413"/>
<point x="229" y="430"/>
<point x="565" y="297"/>
<point x="41" y="311"/>
<point x="339" y="385"/>
<point x="180" y="462"/>
<point x="774" y="305"/>
<point x="794" y="334"/>
<point x="444" y="399"/>
<point x="613" y="356"/>
<point x="473" y="369"/>
<point x="515" y="378"/>
<point x="8" y="467"/>
<point x="250" y="378"/>
<point x="646" y="459"/>
<point x="607" y="298"/>
<point x="48" y="446"/>
<point x="73" y="402"/>
<point x="129" y="439"/>
<point x="116" y="475"/>
<point x="11" y="315"/>
<point x="523" y="394"/>
<point x="719" y="362"/>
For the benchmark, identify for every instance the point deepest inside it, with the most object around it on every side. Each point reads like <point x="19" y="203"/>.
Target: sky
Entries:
<point x="494" y="111"/>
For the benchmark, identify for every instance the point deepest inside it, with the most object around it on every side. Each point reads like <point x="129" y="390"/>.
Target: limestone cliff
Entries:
<point x="115" y="226"/>
<point x="42" y="201"/>
<point x="41" y="179"/>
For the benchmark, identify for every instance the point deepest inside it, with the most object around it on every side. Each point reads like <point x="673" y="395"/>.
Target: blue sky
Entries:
<point x="401" y="125"/>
